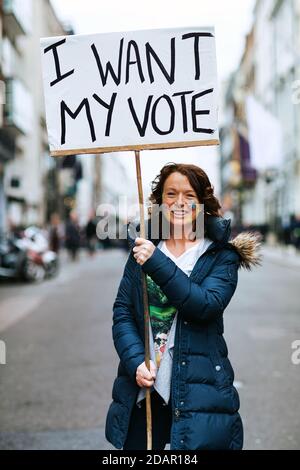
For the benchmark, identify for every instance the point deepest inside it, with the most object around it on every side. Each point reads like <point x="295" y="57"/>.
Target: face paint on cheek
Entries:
<point x="195" y="209"/>
<point x="196" y="206"/>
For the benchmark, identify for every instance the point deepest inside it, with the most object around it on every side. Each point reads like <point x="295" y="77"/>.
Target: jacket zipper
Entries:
<point x="176" y="413"/>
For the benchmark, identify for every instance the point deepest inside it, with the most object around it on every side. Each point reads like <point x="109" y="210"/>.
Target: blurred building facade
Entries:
<point x="119" y="188"/>
<point x="34" y="185"/>
<point x="24" y="149"/>
<point x="260" y="147"/>
<point x="17" y="101"/>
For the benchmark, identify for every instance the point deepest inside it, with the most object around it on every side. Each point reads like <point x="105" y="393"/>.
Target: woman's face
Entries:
<point x="181" y="204"/>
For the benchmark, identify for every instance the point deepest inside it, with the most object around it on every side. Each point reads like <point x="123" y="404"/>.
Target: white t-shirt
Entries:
<point x="163" y="335"/>
<point x="163" y="317"/>
<point x="187" y="260"/>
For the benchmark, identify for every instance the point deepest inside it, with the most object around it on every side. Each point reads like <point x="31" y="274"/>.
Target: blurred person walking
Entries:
<point x="90" y="234"/>
<point x="55" y="234"/>
<point x="295" y="231"/>
<point x="72" y="236"/>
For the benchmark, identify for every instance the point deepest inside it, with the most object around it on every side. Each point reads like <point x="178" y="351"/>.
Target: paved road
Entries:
<point x="56" y="385"/>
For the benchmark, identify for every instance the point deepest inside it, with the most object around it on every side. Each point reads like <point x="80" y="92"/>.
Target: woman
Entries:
<point x="190" y="280"/>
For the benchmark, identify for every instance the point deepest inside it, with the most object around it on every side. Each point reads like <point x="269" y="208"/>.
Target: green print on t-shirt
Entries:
<point x="162" y="314"/>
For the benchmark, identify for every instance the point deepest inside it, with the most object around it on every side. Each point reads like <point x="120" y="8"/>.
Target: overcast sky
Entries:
<point x="231" y="18"/>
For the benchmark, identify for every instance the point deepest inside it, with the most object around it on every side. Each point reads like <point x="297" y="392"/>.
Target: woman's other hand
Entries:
<point x="144" y="377"/>
<point x="143" y="250"/>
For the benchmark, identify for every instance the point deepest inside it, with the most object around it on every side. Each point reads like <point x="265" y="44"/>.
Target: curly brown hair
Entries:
<point x="199" y="181"/>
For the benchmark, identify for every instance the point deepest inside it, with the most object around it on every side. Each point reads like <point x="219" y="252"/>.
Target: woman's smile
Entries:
<point x="179" y="213"/>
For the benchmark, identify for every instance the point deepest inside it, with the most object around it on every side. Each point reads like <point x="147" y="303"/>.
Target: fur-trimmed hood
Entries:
<point x="247" y="244"/>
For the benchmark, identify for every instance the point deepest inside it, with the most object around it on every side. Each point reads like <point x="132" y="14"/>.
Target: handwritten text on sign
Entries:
<point x="142" y="89"/>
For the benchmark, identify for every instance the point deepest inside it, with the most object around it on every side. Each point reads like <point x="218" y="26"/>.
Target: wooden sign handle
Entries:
<point x="145" y="300"/>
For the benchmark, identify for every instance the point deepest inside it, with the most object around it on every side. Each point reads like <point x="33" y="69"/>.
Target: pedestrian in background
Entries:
<point x="90" y="234"/>
<point x="72" y="236"/>
<point x="55" y="235"/>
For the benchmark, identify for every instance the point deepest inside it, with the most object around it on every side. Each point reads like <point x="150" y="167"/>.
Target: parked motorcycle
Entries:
<point x="37" y="241"/>
<point x="26" y="256"/>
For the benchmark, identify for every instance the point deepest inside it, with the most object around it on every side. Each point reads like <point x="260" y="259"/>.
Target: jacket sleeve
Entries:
<point x="195" y="302"/>
<point x="127" y="340"/>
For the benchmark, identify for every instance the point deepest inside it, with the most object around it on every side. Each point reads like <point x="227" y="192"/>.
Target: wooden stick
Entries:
<point x="145" y="300"/>
<point x="126" y="148"/>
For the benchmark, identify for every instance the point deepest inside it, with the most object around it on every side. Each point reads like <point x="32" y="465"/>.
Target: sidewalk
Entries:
<point x="281" y="254"/>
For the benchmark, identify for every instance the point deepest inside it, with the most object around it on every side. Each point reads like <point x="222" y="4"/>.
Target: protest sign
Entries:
<point x="136" y="90"/>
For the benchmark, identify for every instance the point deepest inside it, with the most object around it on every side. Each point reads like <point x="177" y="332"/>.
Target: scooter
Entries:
<point x="18" y="261"/>
<point x="38" y="242"/>
<point x="26" y="256"/>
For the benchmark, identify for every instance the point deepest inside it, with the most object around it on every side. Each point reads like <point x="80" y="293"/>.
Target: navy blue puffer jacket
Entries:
<point x="205" y="403"/>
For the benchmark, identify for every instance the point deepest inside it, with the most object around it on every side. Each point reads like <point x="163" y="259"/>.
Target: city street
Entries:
<point x="56" y="386"/>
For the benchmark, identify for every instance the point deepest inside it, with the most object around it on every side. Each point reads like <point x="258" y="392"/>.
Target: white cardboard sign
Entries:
<point x="135" y="90"/>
